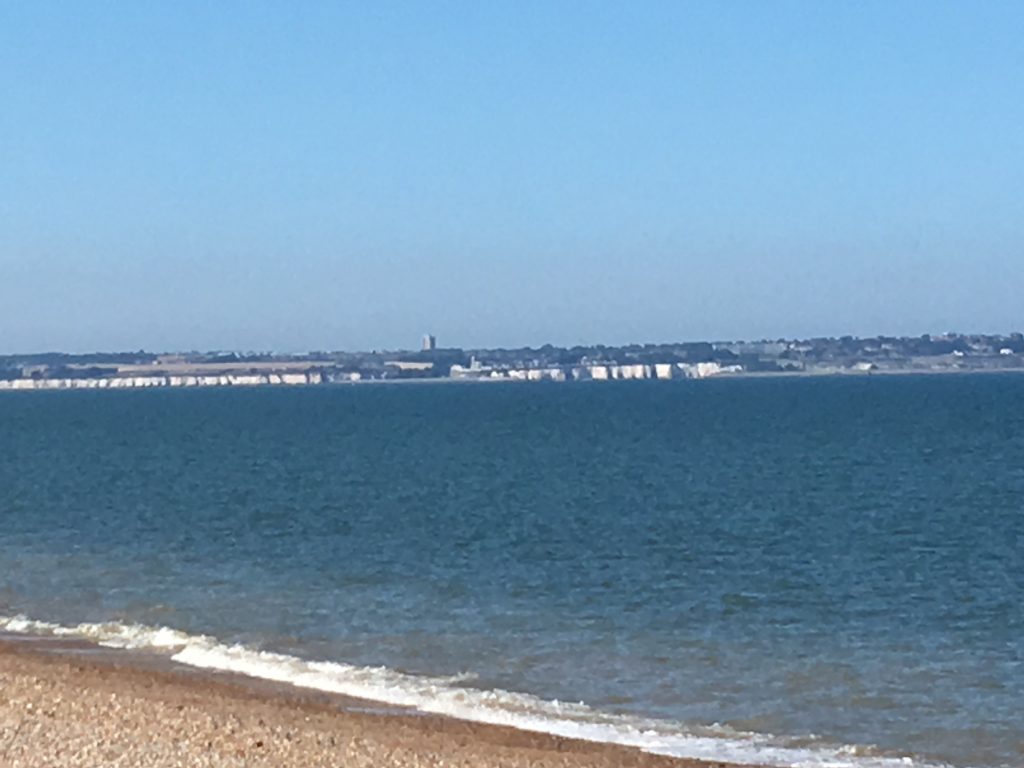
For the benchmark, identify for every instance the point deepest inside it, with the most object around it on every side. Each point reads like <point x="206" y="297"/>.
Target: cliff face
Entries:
<point x="142" y="382"/>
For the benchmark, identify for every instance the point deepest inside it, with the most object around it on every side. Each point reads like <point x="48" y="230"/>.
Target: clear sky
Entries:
<point x="301" y="175"/>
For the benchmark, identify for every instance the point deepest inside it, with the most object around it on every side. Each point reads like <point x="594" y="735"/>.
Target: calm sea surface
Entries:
<point x="793" y="564"/>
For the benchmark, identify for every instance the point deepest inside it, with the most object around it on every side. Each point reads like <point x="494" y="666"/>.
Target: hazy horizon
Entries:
<point x="328" y="176"/>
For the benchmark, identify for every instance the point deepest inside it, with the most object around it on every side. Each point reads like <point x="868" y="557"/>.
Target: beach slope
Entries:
<point x="91" y="710"/>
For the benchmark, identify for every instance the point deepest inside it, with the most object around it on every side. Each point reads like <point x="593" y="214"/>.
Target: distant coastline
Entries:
<point x="314" y="378"/>
<point x="948" y="353"/>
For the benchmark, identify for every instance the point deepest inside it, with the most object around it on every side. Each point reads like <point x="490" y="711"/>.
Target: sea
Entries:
<point x="822" y="571"/>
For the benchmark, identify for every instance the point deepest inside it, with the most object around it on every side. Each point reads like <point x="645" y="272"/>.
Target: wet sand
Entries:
<point x="66" y="704"/>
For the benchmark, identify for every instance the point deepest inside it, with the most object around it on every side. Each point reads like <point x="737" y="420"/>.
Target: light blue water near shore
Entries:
<point x="830" y="561"/>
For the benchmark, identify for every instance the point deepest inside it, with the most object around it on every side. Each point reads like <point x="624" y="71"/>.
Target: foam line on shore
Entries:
<point x="447" y="696"/>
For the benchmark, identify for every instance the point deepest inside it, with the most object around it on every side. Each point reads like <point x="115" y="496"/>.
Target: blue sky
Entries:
<point x="296" y="176"/>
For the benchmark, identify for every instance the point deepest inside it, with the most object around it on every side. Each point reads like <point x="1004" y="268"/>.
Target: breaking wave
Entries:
<point x="451" y="696"/>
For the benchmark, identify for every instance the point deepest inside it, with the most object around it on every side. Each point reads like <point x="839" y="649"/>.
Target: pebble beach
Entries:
<point x="72" y="707"/>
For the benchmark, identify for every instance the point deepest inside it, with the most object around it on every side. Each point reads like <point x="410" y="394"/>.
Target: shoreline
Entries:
<point x="74" y="385"/>
<point x="71" y="703"/>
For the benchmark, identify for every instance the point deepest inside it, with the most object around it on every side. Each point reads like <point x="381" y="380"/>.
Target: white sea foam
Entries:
<point x="445" y="696"/>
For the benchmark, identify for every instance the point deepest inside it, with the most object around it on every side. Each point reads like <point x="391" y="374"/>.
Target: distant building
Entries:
<point x="410" y="365"/>
<point x="474" y="371"/>
<point x="429" y="343"/>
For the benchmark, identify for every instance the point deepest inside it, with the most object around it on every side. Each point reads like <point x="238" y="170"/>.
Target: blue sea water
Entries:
<point x="803" y="571"/>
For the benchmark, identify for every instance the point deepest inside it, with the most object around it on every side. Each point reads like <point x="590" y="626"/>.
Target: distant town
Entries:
<point x="946" y="353"/>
